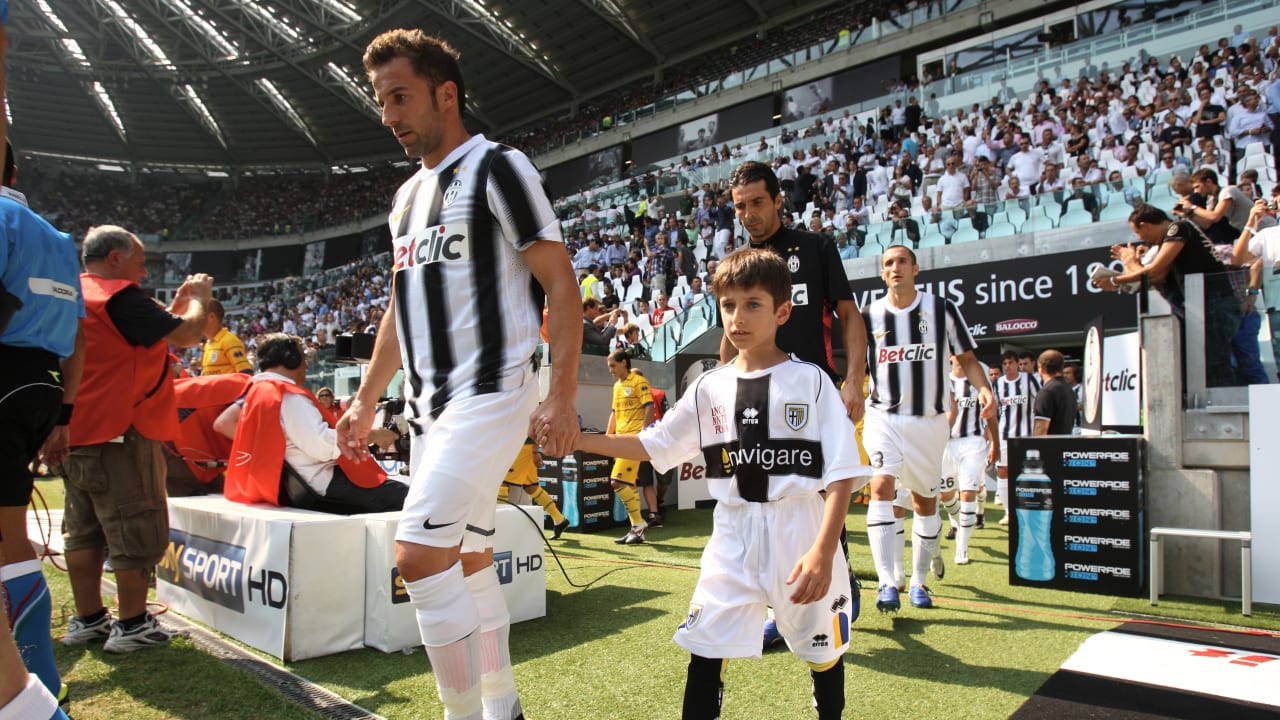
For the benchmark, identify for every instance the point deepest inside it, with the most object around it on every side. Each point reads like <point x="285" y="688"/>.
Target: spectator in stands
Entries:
<point x="660" y="264"/>
<point x="662" y="310"/>
<point x="1249" y="124"/>
<point x="984" y="183"/>
<point x="1225" y="210"/>
<point x="694" y="294"/>
<point x="1026" y="165"/>
<point x="599" y="327"/>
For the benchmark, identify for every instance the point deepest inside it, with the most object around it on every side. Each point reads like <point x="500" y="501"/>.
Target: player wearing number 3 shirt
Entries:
<point x="910" y="335"/>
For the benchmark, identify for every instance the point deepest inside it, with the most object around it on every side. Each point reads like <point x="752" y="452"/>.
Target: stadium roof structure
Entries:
<point x="250" y="83"/>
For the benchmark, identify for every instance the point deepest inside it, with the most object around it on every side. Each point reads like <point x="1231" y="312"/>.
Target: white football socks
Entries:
<point x="497" y="680"/>
<point x="924" y="544"/>
<point x="968" y="518"/>
<point x="880" y="528"/>
<point x="449" y="624"/>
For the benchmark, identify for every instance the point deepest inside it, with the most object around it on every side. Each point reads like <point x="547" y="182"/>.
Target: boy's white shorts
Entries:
<point x="752" y="550"/>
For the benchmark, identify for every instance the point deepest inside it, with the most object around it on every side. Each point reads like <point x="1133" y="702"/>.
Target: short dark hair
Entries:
<point x="590" y="304"/>
<point x="910" y="253"/>
<point x="753" y="171"/>
<point x="751" y="267"/>
<point x="1148" y="215"/>
<point x="1008" y="355"/>
<point x="215" y="308"/>
<point x="1051" y="362"/>
<point x="431" y="57"/>
<point x="279" y="350"/>
<point x="1205" y="175"/>
<point x="1027" y="355"/>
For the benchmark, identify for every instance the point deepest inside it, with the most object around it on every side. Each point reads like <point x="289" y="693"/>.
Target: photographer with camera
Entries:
<point x="1258" y="247"/>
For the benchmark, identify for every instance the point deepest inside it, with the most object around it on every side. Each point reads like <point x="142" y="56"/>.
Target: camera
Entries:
<point x="1272" y="205"/>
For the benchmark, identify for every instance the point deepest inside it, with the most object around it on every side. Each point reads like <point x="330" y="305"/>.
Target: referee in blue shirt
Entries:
<point x="40" y="312"/>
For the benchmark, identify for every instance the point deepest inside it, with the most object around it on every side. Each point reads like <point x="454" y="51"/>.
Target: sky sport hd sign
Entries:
<point x="1029" y="296"/>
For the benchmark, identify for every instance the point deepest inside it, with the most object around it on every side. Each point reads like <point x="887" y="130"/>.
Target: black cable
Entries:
<point x="541" y="532"/>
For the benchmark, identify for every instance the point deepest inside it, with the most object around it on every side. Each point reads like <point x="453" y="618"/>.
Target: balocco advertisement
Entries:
<point x="1028" y="296"/>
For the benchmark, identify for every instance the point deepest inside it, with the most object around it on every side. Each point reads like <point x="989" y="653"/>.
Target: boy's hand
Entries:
<point x="811" y="577"/>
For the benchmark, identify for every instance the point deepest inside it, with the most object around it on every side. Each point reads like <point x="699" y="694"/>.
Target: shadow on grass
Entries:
<point x="177" y="681"/>
<point x="965" y="668"/>
<point x="573" y="619"/>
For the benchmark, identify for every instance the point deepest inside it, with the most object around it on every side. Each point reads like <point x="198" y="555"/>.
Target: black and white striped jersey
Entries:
<point x="1017" y="398"/>
<point x="968" y="421"/>
<point x="764" y="435"/>
<point x="468" y="309"/>
<point x="908" y="353"/>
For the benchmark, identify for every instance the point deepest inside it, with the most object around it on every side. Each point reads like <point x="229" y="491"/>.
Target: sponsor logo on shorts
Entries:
<point x="840" y="603"/>
<point x="821" y="640"/>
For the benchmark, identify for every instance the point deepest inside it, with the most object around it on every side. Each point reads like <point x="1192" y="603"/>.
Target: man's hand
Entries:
<point x="56" y="446"/>
<point x="988" y="403"/>
<point x="554" y="427"/>
<point x="200" y="287"/>
<point x="853" y="399"/>
<point x="353" y="431"/>
<point x="811" y="577"/>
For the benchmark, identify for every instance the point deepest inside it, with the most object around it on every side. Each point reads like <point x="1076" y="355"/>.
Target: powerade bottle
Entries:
<point x="569" y="490"/>
<point x="1033" y="502"/>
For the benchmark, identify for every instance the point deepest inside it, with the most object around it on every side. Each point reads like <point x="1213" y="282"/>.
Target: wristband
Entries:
<point x="1253" y="291"/>
<point x="64" y="414"/>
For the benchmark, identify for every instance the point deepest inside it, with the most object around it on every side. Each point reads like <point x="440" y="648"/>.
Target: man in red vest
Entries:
<point x="124" y="410"/>
<point x="198" y="457"/>
<point x="282" y="425"/>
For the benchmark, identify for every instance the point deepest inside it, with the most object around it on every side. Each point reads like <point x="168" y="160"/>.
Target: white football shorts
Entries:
<point x="907" y="447"/>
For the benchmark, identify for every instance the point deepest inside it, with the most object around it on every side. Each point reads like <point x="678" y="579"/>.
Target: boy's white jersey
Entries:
<point x="764" y="435"/>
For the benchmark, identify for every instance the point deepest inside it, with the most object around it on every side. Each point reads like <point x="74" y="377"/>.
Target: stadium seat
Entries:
<point x="695" y="325"/>
<point x="1001" y="229"/>
<point x="965" y="233"/>
<point x="1074" y="218"/>
<point x="635" y="289"/>
<point x="1115" y="211"/>
<point x="1037" y="222"/>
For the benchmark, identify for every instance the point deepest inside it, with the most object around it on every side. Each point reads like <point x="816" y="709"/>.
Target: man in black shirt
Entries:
<point x="1183" y="250"/>
<point x="1055" y="406"/>
<point x="819" y="286"/>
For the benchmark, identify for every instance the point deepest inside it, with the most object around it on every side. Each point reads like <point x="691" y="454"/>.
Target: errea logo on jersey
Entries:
<point x="907" y="353"/>
<point x="430" y="245"/>
<point x="750" y="416"/>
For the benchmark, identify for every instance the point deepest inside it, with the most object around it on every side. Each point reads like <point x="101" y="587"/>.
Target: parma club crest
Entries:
<point x="796" y="415"/>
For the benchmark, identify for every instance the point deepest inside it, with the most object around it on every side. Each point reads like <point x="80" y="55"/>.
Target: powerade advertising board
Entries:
<point x="1079" y="514"/>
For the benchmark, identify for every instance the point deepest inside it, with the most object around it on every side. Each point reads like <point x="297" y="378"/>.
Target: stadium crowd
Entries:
<point x="1072" y="145"/>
